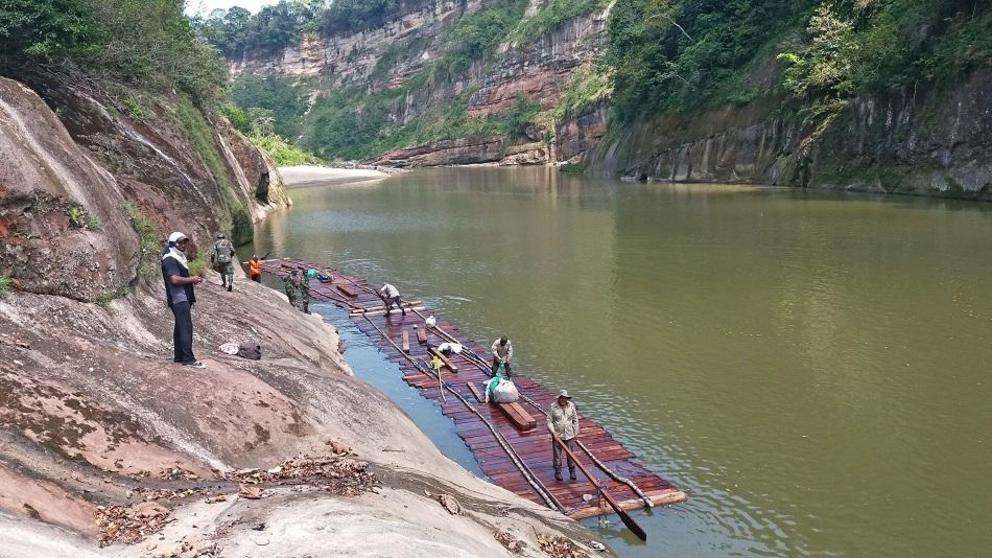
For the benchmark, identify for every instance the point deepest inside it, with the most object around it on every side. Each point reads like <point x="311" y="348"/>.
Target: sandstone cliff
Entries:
<point x="921" y="141"/>
<point x="402" y="69"/>
<point x="105" y="439"/>
<point x="543" y="96"/>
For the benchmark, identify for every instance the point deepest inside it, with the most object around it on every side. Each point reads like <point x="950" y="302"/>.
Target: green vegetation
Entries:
<point x="150" y="240"/>
<point x="286" y="101"/>
<point x="106" y="297"/>
<point x="282" y="152"/>
<point x="553" y="14"/>
<point x="134" y="107"/>
<point x="661" y="56"/>
<point x="476" y="36"/>
<point x="6" y="286"/>
<point x="236" y="32"/>
<point x="77" y="217"/>
<point x="198" y="266"/>
<point x="48" y="28"/>
<point x="874" y="46"/>
<point x="688" y="54"/>
<point x="199" y="133"/>
<point x="588" y="85"/>
<point x="146" y="42"/>
<point x="357" y="15"/>
<point x="682" y="55"/>
<point x="353" y="124"/>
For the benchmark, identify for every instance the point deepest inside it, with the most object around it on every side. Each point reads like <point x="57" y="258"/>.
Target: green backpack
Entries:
<point x="222" y="252"/>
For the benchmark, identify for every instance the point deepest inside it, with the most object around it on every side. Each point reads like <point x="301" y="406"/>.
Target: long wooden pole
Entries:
<point x="528" y="475"/>
<point x="475" y="359"/>
<point x="610" y="472"/>
<point x="624" y="516"/>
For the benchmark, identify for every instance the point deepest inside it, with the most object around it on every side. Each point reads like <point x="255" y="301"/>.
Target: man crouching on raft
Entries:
<point x="390" y="295"/>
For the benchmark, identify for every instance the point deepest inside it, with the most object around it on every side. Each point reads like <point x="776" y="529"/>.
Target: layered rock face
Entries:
<point x="350" y="58"/>
<point x="540" y="68"/>
<point x="61" y="223"/>
<point x="199" y="184"/>
<point x="535" y="69"/>
<point x="104" y="439"/>
<point x="469" y="151"/>
<point x="923" y="142"/>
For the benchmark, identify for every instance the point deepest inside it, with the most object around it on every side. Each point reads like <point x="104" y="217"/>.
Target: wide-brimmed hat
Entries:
<point x="564" y="393"/>
<point x="220" y="235"/>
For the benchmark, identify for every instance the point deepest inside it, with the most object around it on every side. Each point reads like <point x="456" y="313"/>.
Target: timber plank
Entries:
<point x="349" y="290"/>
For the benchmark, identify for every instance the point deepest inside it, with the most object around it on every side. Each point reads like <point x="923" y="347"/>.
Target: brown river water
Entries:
<point x="812" y="368"/>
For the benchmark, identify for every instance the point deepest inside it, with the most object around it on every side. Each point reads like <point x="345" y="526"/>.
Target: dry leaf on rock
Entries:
<point x="249" y="492"/>
<point x="450" y="503"/>
<point x="559" y="547"/>
<point x="510" y="542"/>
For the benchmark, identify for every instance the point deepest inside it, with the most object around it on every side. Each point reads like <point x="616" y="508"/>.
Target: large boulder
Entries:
<point x="64" y="229"/>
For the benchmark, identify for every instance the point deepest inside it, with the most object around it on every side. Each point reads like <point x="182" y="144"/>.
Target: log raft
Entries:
<point x="527" y="438"/>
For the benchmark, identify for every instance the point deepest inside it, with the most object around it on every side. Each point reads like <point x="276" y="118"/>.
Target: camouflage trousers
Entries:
<point x="226" y="271"/>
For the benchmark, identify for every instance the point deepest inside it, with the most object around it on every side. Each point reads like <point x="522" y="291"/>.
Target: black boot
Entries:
<point x="558" y="474"/>
<point x="571" y="474"/>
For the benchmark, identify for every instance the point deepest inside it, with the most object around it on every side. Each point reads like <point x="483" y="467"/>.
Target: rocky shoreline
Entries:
<point x="105" y="441"/>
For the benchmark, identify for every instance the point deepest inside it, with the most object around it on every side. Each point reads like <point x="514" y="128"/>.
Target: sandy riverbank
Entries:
<point x="306" y="176"/>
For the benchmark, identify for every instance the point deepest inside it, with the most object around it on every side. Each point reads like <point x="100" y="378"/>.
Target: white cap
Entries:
<point x="176" y="237"/>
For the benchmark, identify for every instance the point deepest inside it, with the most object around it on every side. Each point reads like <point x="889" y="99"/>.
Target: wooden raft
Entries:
<point x="532" y="445"/>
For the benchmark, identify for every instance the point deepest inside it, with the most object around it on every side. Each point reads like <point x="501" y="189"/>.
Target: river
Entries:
<point x="811" y="367"/>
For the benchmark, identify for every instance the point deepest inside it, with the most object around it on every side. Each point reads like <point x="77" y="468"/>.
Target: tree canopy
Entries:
<point x="688" y="54"/>
<point x="148" y="42"/>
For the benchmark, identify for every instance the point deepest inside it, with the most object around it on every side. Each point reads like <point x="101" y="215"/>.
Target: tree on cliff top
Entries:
<point x="238" y="33"/>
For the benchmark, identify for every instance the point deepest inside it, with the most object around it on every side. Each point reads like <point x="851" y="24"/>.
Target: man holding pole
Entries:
<point x="563" y="423"/>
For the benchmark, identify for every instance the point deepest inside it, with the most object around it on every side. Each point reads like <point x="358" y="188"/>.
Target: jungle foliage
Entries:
<point x="683" y="55"/>
<point x="143" y="42"/>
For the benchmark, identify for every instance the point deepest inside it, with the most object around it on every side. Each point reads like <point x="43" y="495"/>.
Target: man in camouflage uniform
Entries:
<point x="291" y="284"/>
<point x="305" y="289"/>
<point x="223" y="260"/>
